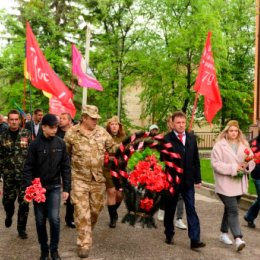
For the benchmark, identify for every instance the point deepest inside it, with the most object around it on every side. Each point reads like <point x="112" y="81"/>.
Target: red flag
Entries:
<point x="207" y="84"/>
<point x="40" y="73"/>
<point x="56" y="107"/>
<point x="85" y="77"/>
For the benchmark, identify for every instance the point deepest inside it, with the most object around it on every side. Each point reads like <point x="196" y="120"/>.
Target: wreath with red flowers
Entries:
<point x="146" y="169"/>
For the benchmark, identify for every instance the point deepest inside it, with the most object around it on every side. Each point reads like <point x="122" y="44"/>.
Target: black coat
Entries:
<point x="30" y="126"/>
<point x="255" y="144"/>
<point x="189" y="158"/>
<point x="48" y="160"/>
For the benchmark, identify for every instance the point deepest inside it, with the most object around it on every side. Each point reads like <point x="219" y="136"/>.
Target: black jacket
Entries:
<point x="48" y="160"/>
<point x="189" y="158"/>
<point x="30" y="126"/>
<point x="255" y="145"/>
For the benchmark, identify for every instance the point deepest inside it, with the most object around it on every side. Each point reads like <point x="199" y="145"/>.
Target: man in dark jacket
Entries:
<point x="34" y="125"/>
<point x="183" y="144"/>
<point x="48" y="160"/>
<point x="3" y="124"/>
<point x="253" y="211"/>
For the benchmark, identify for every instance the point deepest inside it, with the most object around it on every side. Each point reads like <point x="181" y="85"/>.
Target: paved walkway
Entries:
<point x="128" y="243"/>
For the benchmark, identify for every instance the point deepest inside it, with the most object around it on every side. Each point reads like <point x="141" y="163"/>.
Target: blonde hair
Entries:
<point x="224" y="134"/>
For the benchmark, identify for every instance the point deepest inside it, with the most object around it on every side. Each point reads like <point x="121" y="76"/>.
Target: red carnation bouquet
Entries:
<point x="256" y="151"/>
<point x="145" y="184"/>
<point x="35" y="192"/>
<point x="248" y="158"/>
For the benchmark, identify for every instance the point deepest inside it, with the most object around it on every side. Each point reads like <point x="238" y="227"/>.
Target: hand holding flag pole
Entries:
<point x="207" y="85"/>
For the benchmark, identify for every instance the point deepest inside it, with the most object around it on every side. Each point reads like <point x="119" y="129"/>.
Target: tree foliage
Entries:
<point x="158" y="43"/>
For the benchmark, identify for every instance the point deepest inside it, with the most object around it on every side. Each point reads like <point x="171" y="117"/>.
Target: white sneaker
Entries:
<point x="160" y="215"/>
<point x="240" y="244"/>
<point x="225" y="239"/>
<point x="179" y="224"/>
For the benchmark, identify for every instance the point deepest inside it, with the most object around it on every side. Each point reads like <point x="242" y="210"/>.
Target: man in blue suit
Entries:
<point x="184" y="144"/>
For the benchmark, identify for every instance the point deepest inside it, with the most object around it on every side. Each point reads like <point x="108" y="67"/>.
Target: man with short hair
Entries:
<point x="184" y="144"/>
<point x="48" y="160"/>
<point x="35" y="124"/>
<point x="87" y="143"/>
<point x="65" y="123"/>
<point x="14" y="143"/>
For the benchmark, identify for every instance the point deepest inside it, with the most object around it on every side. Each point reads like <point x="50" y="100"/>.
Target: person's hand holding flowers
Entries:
<point x="241" y="169"/>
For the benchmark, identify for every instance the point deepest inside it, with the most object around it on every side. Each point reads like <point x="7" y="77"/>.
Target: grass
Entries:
<point x="207" y="175"/>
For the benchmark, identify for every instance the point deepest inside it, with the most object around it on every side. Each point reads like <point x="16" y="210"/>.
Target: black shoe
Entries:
<point x="250" y="224"/>
<point x="22" y="235"/>
<point x="8" y="222"/>
<point x="44" y="256"/>
<point x="169" y="240"/>
<point x="55" y="256"/>
<point x="195" y="245"/>
<point x="71" y="224"/>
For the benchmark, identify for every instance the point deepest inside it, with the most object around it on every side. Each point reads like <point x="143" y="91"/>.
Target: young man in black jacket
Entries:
<point x="48" y="160"/>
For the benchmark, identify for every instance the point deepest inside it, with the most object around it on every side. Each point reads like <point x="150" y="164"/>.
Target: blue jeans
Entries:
<point x="49" y="210"/>
<point x="253" y="211"/>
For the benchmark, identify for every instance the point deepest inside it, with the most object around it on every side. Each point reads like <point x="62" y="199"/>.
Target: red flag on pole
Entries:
<point x="40" y="72"/>
<point x="56" y="107"/>
<point x="207" y="84"/>
<point x="85" y="76"/>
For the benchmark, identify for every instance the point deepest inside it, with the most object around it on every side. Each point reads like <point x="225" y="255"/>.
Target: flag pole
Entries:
<point x="85" y="90"/>
<point x="119" y="98"/>
<point x="72" y="80"/>
<point x="194" y="109"/>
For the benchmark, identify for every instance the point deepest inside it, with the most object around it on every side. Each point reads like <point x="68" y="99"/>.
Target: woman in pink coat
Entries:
<point x="231" y="159"/>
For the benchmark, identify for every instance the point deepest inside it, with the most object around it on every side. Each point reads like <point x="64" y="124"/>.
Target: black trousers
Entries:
<point x="188" y="195"/>
<point x="69" y="211"/>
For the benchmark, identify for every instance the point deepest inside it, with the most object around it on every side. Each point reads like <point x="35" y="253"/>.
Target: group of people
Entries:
<point x="72" y="162"/>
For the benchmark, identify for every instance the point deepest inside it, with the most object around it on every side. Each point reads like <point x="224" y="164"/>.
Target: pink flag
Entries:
<point x="85" y="77"/>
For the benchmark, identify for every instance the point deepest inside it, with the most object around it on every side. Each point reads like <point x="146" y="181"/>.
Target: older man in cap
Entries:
<point x="87" y="143"/>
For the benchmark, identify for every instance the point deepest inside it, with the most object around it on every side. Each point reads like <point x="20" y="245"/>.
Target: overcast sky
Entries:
<point x="6" y="3"/>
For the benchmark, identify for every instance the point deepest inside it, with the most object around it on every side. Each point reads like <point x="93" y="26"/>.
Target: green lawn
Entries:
<point x="207" y="175"/>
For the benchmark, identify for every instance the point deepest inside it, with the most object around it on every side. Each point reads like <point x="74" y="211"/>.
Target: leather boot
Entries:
<point x="113" y="215"/>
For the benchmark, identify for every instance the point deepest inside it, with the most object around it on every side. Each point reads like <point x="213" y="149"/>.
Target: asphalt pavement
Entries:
<point x="136" y="243"/>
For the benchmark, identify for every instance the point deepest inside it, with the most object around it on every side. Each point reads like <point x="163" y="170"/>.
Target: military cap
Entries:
<point x="91" y="111"/>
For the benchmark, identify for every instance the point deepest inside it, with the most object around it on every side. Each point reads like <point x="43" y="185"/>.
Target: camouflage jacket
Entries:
<point x="13" y="154"/>
<point x="87" y="152"/>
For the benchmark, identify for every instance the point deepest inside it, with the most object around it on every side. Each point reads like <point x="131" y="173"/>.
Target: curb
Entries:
<point x="208" y="190"/>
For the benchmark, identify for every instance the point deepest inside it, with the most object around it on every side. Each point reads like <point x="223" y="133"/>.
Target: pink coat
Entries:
<point x="224" y="162"/>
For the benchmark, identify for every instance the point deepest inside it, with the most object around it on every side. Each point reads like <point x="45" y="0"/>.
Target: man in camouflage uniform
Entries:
<point x="87" y="143"/>
<point x="14" y="143"/>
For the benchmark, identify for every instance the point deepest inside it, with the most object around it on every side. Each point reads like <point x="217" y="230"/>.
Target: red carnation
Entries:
<point x="146" y="204"/>
<point x="35" y="192"/>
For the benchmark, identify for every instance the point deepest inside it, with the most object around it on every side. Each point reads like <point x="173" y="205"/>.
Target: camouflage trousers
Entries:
<point x="88" y="199"/>
<point x="12" y="190"/>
